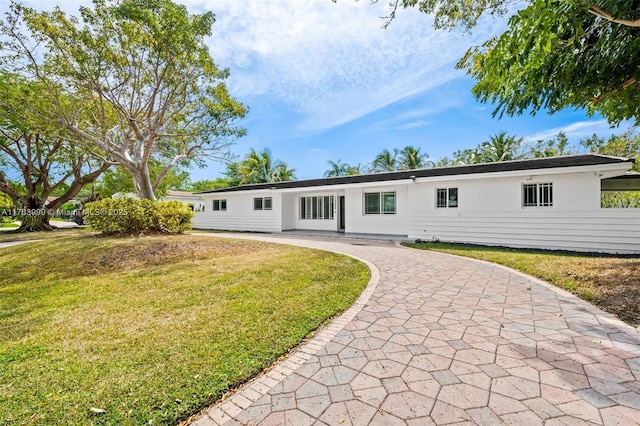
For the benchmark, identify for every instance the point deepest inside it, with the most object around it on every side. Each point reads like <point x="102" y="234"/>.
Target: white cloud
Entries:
<point x="578" y="129"/>
<point x="413" y="125"/>
<point x="332" y="63"/>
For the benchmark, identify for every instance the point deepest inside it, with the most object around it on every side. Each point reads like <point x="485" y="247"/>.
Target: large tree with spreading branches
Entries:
<point x="143" y="66"/>
<point x="43" y="158"/>
<point x="555" y="54"/>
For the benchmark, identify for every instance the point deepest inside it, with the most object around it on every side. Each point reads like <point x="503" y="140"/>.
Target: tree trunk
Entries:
<point x="142" y="182"/>
<point x="35" y="216"/>
<point x="35" y="223"/>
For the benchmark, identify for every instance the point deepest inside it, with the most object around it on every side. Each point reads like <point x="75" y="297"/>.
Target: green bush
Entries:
<point x="622" y="199"/>
<point x="129" y="215"/>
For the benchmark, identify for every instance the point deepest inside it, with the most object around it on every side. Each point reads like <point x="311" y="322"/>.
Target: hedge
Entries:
<point x="130" y="215"/>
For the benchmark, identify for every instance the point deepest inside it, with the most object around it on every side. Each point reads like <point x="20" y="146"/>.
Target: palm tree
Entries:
<point x="386" y="161"/>
<point x="410" y="158"/>
<point x="358" y="169"/>
<point x="260" y="167"/>
<point x="500" y="147"/>
<point x="282" y="173"/>
<point x="337" y="168"/>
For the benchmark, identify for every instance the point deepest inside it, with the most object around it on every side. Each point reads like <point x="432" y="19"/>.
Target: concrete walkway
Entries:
<point x="437" y="339"/>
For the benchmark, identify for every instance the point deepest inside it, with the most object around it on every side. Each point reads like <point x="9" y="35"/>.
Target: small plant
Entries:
<point x="132" y="216"/>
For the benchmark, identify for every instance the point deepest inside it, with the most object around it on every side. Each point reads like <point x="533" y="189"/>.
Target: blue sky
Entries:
<point x="324" y="81"/>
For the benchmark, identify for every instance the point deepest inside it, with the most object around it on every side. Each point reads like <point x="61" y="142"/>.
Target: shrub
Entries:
<point x="129" y="215"/>
<point x="622" y="199"/>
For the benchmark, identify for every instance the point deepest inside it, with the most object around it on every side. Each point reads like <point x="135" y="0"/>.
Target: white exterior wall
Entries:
<point x="490" y="212"/>
<point x="391" y="224"/>
<point x="240" y="215"/>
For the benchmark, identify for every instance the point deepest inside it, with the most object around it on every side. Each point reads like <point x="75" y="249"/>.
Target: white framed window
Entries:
<point x="262" y="203"/>
<point x="537" y="194"/>
<point x="379" y="203"/>
<point x="219" y="205"/>
<point x="446" y="198"/>
<point x="317" y="207"/>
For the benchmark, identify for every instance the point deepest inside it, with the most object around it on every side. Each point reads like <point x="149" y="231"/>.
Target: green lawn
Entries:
<point x="153" y="329"/>
<point x="6" y="236"/>
<point x="609" y="282"/>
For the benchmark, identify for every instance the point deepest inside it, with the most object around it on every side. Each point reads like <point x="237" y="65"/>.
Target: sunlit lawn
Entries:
<point x="609" y="282"/>
<point x="154" y="328"/>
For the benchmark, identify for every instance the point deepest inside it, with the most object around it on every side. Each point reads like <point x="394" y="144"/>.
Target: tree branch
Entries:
<point x="628" y="83"/>
<point x="601" y="13"/>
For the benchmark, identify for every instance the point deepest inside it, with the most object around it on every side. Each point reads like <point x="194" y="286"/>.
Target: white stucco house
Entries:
<point x="549" y="203"/>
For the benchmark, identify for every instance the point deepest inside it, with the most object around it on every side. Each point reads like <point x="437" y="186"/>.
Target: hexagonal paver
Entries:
<point x="464" y="396"/>
<point x="408" y="405"/>
<point x="438" y="340"/>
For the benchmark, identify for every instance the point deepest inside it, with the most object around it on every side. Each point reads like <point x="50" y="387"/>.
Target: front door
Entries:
<point x="341" y="213"/>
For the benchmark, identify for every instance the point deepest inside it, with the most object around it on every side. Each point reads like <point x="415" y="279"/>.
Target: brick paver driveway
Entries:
<point x="446" y="340"/>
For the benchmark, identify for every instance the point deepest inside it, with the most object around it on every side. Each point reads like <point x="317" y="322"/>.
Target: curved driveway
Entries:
<point x="438" y="339"/>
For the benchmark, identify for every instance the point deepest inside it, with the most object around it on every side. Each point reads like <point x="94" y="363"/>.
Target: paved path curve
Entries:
<point x="441" y="340"/>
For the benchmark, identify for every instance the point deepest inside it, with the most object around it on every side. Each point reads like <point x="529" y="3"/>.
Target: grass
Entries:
<point x="6" y="236"/>
<point x="8" y="225"/>
<point x="147" y="330"/>
<point x="610" y="282"/>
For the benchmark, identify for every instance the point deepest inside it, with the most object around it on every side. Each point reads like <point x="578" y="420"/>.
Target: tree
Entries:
<point x="551" y="148"/>
<point x="356" y="169"/>
<point x="386" y="161"/>
<point x="258" y="167"/>
<point x="117" y="179"/>
<point x="466" y="13"/>
<point x="47" y="159"/>
<point x="232" y="173"/>
<point x="207" y="185"/>
<point x="624" y="145"/>
<point x="6" y="204"/>
<point x="499" y="147"/>
<point x="336" y="169"/>
<point x="450" y="13"/>
<point x="344" y="169"/>
<point x="555" y="54"/>
<point x="466" y="156"/>
<point x="410" y="158"/>
<point x="558" y="54"/>
<point x="142" y="69"/>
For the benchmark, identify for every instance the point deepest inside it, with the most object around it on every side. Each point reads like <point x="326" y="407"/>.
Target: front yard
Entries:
<point x="150" y="330"/>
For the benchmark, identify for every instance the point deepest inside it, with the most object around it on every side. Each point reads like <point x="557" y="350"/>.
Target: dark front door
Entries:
<point x="341" y="213"/>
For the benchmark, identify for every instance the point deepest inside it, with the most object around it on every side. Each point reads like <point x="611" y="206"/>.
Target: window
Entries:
<point x="219" y="205"/>
<point x="537" y="194"/>
<point x="447" y="197"/>
<point x="379" y="203"/>
<point x="262" y="203"/>
<point x="316" y="207"/>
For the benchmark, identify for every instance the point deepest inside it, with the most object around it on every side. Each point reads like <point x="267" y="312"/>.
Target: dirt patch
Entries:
<point x="104" y="255"/>
<point x="616" y="287"/>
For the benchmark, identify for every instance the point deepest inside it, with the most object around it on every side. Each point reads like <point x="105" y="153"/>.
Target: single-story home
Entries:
<point x="548" y="203"/>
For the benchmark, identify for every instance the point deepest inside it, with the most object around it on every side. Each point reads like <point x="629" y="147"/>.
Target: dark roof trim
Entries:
<point x="503" y="166"/>
<point x="630" y="176"/>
